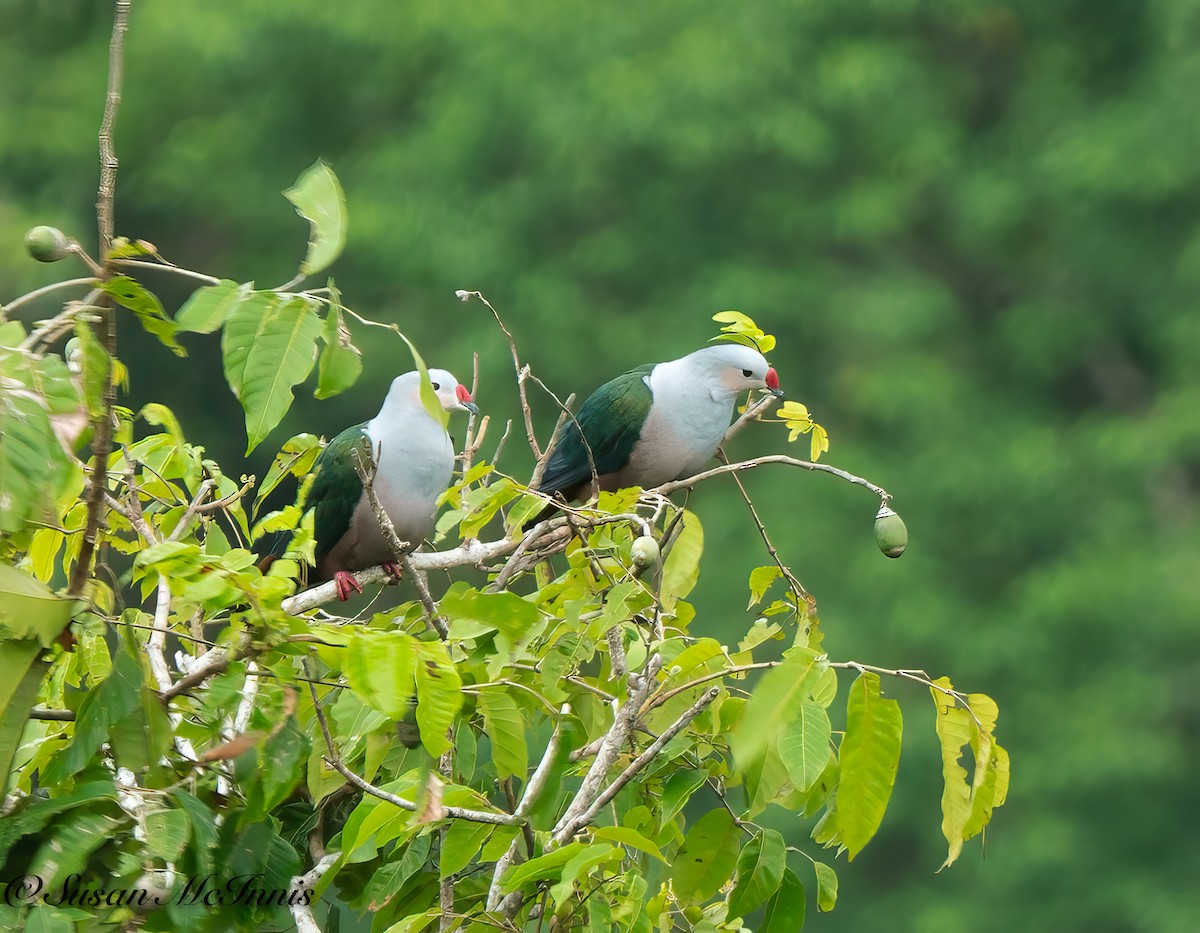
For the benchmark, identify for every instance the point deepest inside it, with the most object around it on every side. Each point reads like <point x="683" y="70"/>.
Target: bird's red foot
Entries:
<point x="346" y="584"/>
<point x="392" y="569"/>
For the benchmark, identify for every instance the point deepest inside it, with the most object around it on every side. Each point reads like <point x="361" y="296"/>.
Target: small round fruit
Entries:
<point x="890" y="533"/>
<point x="46" y="244"/>
<point x="153" y="890"/>
<point x="644" y="552"/>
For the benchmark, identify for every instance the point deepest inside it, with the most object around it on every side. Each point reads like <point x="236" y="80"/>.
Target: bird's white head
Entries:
<point x="450" y="392"/>
<point x="735" y="368"/>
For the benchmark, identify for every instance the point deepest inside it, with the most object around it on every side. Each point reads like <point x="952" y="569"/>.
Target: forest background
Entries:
<point x="973" y="226"/>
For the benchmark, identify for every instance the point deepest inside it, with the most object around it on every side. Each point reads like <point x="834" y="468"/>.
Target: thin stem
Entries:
<point x="44" y="290"/>
<point x="668" y="488"/>
<point x="167" y="267"/>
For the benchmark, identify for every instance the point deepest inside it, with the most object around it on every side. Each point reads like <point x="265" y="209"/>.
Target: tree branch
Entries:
<point x="44" y="290"/>
<point x="335" y="762"/>
<point x="112" y="103"/>
<point x="668" y="488"/>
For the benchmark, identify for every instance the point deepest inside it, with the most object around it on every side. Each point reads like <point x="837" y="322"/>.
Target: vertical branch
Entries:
<point x="112" y="102"/>
<point x="102" y="425"/>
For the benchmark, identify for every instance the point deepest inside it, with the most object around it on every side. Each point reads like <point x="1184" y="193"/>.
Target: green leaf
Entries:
<point x="870" y="755"/>
<point x="629" y="837"/>
<point x="785" y="909"/>
<point x="142" y="737"/>
<point x="804" y="744"/>
<point x="296" y="458"/>
<point x="33" y="464"/>
<point x="542" y="866"/>
<point x="954" y="727"/>
<point x="761" y="579"/>
<point x="284" y="755"/>
<point x="464" y="839"/>
<point x="21" y="675"/>
<point x="341" y="361"/>
<point x="167" y="833"/>
<point x="94" y="368"/>
<point x="64" y="849"/>
<point x="774" y="702"/>
<point x="439" y="695"/>
<point x="134" y="296"/>
<point x="505" y="726"/>
<point x="211" y="305"/>
<point x="381" y="667"/>
<point x="268" y="347"/>
<point x="30" y="609"/>
<point x="317" y="196"/>
<point x="707" y="857"/>
<point x="579" y="865"/>
<point x="681" y="569"/>
<point x="759" y="871"/>
<point x="827" y="886"/>
<point x="471" y="613"/>
<point x="678" y="790"/>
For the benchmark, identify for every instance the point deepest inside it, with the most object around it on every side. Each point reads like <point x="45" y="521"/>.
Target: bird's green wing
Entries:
<point x="337" y="488"/>
<point x="611" y="419"/>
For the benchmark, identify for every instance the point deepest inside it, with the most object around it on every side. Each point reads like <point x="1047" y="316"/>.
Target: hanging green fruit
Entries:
<point x="890" y="533"/>
<point x="644" y="552"/>
<point x="46" y="244"/>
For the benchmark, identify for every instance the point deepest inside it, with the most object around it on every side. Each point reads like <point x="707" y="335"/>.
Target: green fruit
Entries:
<point x="46" y="244"/>
<point x="644" y="552"/>
<point x="153" y="890"/>
<point x="890" y="533"/>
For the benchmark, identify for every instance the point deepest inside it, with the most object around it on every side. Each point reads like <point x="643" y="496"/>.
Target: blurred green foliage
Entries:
<point x="973" y="227"/>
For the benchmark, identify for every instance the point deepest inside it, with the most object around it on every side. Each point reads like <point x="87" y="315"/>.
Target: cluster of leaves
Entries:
<point x="491" y="736"/>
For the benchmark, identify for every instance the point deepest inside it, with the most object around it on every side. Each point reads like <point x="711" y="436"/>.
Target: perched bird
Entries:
<point x="655" y="423"/>
<point x="415" y="462"/>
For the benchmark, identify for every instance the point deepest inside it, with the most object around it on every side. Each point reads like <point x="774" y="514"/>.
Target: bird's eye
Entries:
<point x="437" y="387"/>
<point x="747" y="373"/>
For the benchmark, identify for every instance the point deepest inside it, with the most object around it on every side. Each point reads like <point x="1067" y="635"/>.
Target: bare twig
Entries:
<point x="335" y="762"/>
<point x="300" y="892"/>
<point x="533" y="790"/>
<point x="44" y="290"/>
<point x="798" y="590"/>
<point x="638" y="764"/>
<point x="206" y="487"/>
<point x="64" y="321"/>
<point x="623" y="724"/>
<point x="753" y="412"/>
<point x="167" y="267"/>
<point x="52" y="715"/>
<point x="522" y="371"/>
<point x="499" y="449"/>
<point x="668" y="488"/>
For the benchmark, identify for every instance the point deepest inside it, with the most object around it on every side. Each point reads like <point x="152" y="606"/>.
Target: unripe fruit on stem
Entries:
<point x="154" y="889"/>
<point x="890" y="533"/>
<point x="644" y="552"/>
<point x="46" y="244"/>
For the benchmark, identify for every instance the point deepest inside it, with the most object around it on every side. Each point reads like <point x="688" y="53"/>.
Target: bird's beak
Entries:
<point x="464" y="399"/>
<point x="773" y="383"/>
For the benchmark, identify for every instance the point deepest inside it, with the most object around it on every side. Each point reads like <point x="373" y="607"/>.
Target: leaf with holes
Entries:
<point x="318" y="198"/>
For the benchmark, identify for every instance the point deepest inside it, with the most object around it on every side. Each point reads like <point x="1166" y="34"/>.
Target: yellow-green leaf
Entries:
<point x="318" y="198"/>
<point x="870" y="755"/>
<point x="774" y="702"/>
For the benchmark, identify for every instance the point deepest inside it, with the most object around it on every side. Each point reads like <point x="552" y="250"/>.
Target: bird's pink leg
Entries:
<point x="392" y="569"/>
<point x="346" y="584"/>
